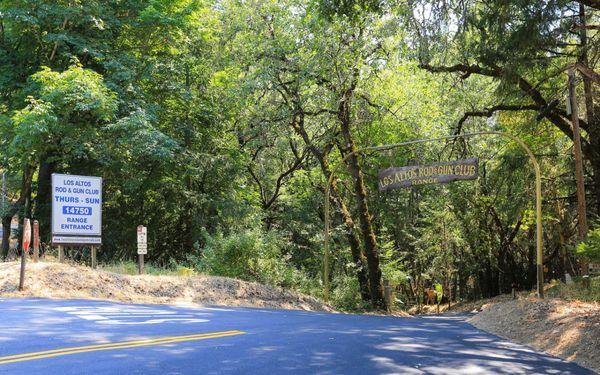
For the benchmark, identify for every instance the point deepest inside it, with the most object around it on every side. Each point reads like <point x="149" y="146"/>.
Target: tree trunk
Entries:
<point x="597" y="186"/>
<point x="22" y="205"/>
<point x="358" y="256"/>
<point x="24" y="200"/>
<point x="594" y="158"/>
<point x="366" y="225"/>
<point x="590" y="115"/>
<point x="43" y="204"/>
<point x="5" y="235"/>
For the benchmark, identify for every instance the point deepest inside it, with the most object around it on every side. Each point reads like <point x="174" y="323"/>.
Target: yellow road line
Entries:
<point x="115" y="345"/>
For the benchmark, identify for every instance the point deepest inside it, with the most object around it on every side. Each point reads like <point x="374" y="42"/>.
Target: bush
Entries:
<point x="576" y="291"/>
<point x="251" y="255"/>
<point x="345" y="294"/>
<point x="590" y="248"/>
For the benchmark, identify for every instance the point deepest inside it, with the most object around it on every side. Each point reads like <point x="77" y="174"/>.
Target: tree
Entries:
<point x="524" y="46"/>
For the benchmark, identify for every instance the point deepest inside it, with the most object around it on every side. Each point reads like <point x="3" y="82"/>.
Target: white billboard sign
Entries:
<point x="76" y="206"/>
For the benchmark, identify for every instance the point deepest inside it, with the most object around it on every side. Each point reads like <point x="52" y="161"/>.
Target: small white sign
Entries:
<point x="76" y="205"/>
<point x="142" y="239"/>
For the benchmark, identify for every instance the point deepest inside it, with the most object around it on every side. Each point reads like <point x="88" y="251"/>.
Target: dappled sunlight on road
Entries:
<point x="274" y="341"/>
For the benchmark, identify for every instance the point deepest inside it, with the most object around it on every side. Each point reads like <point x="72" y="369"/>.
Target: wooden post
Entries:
<point x="387" y="293"/>
<point x="61" y="254"/>
<point x="22" y="275"/>
<point x="24" y="251"/>
<point x="36" y="241"/>
<point x="94" y="262"/>
<point x="141" y="264"/>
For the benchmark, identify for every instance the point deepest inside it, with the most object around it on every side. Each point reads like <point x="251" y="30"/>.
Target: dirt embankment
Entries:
<point x="567" y="329"/>
<point x="55" y="280"/>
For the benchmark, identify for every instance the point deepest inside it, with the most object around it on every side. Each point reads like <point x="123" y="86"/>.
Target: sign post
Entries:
<point x="36" y="241"/>
<point x="142" y="246"/>
<point x="26" y="241"/>
<point x="76" y="212"/>
<point x="94" y="262"/>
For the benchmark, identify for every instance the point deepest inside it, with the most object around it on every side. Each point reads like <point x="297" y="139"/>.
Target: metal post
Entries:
<point x="94" y="262"/>
<point x="61" y="254"/>
<point x="36" y="241"/>
<point x="538" y="200"/>
<point x="141" y="264"/>
<point x="22" y="275"/>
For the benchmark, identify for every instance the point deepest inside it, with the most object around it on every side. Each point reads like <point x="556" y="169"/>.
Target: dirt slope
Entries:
<point x="567" y="329"/>
<point x="55" y="280"/>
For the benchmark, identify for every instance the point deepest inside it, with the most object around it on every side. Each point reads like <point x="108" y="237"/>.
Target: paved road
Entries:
<point x="95" y="337"/>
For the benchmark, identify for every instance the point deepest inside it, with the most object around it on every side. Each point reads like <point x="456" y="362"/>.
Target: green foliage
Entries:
<point x="590" y="248"/>
<point x="439" y="290"/>
<point x="64" y="110"/>
<point x="33" y="126"/>
<point x="216" y="124"/>
<point x="251" y="255"/>
<point x="346" y="295"/>
<point x="392" y="266"/>
<point x="74" y="93"/>
<point x="576" y="291"/>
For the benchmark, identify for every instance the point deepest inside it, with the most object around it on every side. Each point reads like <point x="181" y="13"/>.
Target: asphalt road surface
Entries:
<point x="40" y="336"/>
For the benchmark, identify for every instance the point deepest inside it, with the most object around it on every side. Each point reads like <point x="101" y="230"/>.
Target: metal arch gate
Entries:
<point x="538" y="200"/>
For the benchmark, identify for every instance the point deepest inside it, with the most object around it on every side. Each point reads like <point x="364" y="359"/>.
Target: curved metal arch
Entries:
<point x="538" y="199"/>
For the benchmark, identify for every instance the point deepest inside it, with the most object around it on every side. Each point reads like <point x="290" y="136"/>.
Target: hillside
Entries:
<point x="56" y="280"/>
<point x="567" y="329"/>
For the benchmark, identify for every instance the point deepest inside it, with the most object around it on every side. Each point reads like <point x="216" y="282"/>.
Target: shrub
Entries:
<point x="251" y="255"/>
<point x="590" y="248"/>
<point x="345" y="294"/>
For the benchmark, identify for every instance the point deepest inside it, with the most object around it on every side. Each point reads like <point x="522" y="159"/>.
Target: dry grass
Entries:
<point x="566" y="324"/>
<point x="567" y="329"/>
<point x="55" y="280"/>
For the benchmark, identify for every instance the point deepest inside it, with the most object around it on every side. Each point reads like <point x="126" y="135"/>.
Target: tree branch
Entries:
<point x="591" y="3"/>
<point x="488" y="112"/>
<point x="553" y="116"/>
<point x="588" y="72"/>
<point x="465" y="69"/>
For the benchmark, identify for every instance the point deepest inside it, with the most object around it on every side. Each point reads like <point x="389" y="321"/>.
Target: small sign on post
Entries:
<point x="142" y="246"/>
<point x="26" y="242"/>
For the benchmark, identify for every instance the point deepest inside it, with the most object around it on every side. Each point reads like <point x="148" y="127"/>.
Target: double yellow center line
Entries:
<point x="116" y="345"/>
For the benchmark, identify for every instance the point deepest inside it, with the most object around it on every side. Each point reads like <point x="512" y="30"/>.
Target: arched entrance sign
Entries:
<point x="538" y="199"/>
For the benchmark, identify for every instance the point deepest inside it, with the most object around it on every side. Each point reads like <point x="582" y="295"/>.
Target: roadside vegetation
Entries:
<point x="576" y="291"/>
<point x="217" y="125"/>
